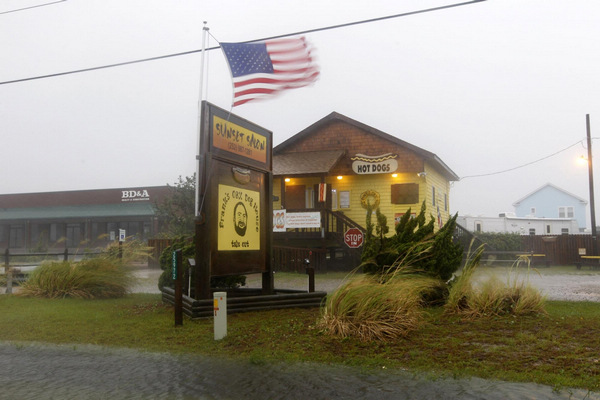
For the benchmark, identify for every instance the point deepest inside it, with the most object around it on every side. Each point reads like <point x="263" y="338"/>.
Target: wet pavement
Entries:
<point x="37" y="371"/>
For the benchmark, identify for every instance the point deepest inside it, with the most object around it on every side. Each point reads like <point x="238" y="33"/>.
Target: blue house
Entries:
<point x="550" y="201"/>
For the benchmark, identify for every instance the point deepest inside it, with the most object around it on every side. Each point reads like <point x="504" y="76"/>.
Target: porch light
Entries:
<point x="287" y="179"/>
<point x="339" y="177"/>
<point x="394" y="175"/>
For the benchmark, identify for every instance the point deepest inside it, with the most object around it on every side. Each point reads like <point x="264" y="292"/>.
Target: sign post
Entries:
<point x="353" y="238"/>
<point x="176" y="265"/>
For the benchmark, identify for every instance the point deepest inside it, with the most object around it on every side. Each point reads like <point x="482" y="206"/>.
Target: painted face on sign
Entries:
<point x="240" y="218"/>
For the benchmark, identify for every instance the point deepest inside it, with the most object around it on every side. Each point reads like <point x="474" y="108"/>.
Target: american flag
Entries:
<point x="263" y="69"/>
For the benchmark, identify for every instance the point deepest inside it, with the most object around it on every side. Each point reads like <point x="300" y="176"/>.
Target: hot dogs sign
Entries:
<point x="383" y="164"/>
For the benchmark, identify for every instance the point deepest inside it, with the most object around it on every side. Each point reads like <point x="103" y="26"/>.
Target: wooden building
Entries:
<point x="338" y="165"/>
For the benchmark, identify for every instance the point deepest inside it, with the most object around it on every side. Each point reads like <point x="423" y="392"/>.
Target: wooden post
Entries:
<point x="202" y="261"/>
<point x="8" y="272"/>
<point x="178" y="287"/>
<point x="311" y="279"/>
<point x="66" y="255"/>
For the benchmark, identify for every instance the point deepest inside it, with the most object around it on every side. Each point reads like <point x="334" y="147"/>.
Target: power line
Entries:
<point x="29" y="8"/>
<point x="523" y="165"/>
<point x="249" y="41"/>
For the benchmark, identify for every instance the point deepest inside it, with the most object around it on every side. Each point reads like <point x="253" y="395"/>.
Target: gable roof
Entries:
<point x="518" y="202"/>
<point x="336" y="117"/>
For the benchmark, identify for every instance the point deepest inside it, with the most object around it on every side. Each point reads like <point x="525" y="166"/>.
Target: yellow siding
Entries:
<point x="442" y="194"/>
<point x="381" y="183"/>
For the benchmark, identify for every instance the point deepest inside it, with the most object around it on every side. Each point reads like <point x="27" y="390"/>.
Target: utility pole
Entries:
<point x="591" y="177"/>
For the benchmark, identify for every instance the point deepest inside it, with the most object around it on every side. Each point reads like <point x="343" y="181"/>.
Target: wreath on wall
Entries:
<point x="369" y="197"/>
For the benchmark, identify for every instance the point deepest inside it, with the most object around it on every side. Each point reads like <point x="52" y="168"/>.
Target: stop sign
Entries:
<point x="353" y="238"/>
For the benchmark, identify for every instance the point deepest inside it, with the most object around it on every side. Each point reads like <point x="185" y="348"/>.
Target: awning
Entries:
<point x="304" y="163"/>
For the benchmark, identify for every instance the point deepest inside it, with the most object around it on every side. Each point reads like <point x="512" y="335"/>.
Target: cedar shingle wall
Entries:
<point x="341" y="136"/>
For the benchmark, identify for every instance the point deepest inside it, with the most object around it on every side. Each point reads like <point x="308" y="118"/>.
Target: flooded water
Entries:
<point x="35" y="371"/>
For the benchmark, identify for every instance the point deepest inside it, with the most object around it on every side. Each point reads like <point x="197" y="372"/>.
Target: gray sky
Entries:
<point x="487" y="87"/>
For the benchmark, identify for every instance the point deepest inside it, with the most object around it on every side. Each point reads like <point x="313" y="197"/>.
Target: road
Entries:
<point x="41" y="372"/>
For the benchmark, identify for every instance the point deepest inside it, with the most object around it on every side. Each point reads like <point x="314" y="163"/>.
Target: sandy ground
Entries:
<point x="556" y="283"/>
<point x="560" y="283"/>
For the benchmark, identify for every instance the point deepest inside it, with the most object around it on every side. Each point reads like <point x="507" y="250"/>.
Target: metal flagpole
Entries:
<point x="198" y="126"/>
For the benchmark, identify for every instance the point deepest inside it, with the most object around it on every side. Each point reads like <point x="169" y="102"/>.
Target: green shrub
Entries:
<point x="166" y="259"/>
<point x="188" y="250"/>
<point x="88" y="279"/>
<point x="436" y="253"/>
<point x="501" y="241"/>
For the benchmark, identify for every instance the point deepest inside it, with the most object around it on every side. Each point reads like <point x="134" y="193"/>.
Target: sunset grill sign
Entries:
<point x="235" y="178"/>
<point x="382" y="164"/>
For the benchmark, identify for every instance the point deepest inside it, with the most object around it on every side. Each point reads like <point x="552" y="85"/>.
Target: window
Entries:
<point x="74" y="235"/>
<point x="532" y="211"/>
<point x="433" y="195"/>
<point x="40" y="234"/>
<point x="405" y="193"/>
<point x="566" y="212"/>
<point x="310" y="198"/>
<point x="477" y="226"/>
<point x="564" y="231"/>
<point x="345" y="199"/>
<point x="532" y="231"/>
<point x="548" y="229"/>
<point x="16" y="236"/>
<point x="334" y="203"/>
<point x="57" y="232"/>
<point x="445" y="202"/>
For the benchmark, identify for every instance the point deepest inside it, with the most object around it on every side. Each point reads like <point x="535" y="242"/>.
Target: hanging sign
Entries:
<point x="279" y="221"/>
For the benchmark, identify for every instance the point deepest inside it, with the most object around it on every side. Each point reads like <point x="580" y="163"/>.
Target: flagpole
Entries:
<point x="199" y="122"/>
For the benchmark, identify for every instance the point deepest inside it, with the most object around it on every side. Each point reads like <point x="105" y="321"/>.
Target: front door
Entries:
<point x="295" y="197"/>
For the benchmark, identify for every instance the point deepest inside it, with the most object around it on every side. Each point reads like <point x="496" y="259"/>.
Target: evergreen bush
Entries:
<point x="415" y="242"/>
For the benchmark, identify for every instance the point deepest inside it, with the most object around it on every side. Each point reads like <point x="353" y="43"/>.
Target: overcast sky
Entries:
<point x="487" y="87"/>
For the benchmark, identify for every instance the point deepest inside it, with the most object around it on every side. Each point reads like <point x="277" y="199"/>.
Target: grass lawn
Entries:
<point x="559" y="349"/>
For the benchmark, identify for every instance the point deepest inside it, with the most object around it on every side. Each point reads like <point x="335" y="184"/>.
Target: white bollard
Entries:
<point x="220" y="310"/>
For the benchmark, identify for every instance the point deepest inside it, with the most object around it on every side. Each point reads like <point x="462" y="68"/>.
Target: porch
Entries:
<point x="324" y="248"/>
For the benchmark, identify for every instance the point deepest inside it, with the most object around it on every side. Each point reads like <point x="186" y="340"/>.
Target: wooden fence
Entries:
<point x="251" y="300"/>
<point x="561" y="249"/>
<point x="547" y="249"/>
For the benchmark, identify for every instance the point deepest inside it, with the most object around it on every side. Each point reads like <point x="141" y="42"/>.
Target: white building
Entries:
<point x="509" y="223"/>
